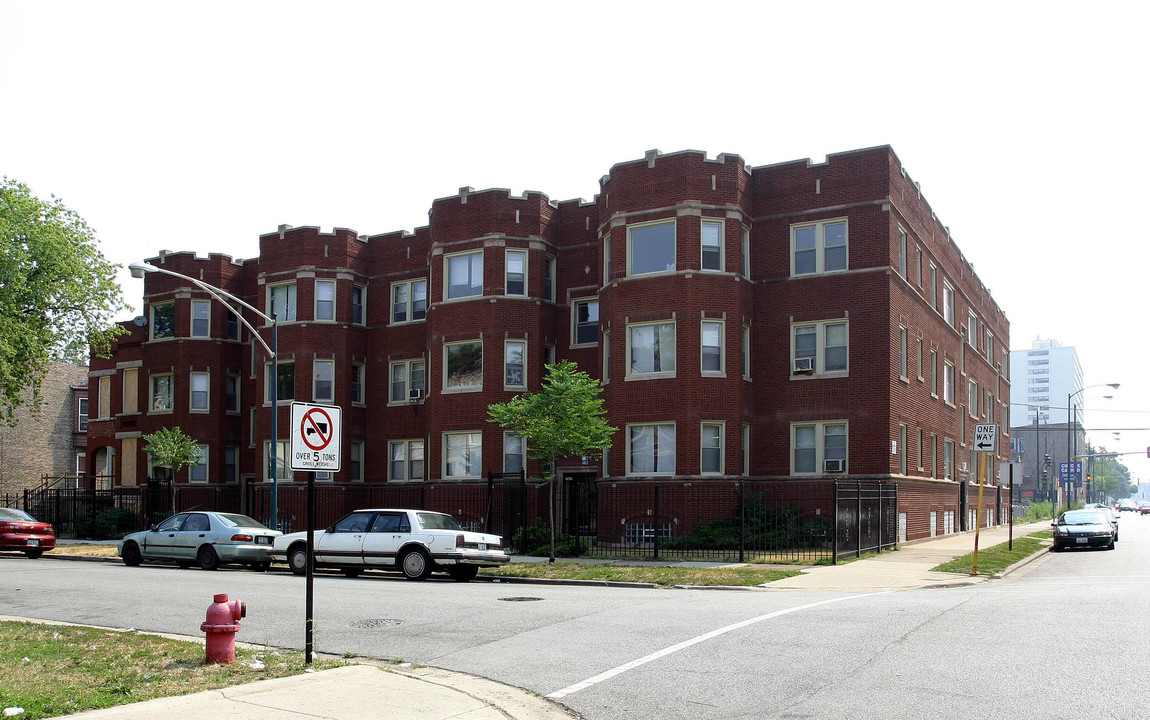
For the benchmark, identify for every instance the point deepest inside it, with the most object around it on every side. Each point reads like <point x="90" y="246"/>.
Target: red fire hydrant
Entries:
<point x="221" y="627"/>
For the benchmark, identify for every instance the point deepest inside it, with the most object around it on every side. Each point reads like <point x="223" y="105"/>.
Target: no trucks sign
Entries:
<point x="315" y="437"/>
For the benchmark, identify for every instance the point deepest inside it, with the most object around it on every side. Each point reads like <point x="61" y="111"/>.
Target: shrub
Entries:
<point x="108" y="524"/>
<point x="538" y="541"/>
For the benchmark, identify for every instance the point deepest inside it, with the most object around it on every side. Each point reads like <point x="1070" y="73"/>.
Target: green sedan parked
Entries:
<point x="208" y="539"/>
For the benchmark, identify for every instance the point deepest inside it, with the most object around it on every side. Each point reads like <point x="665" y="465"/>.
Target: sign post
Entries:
<point x="315" y="446"/>
<point x="985" y="443"/>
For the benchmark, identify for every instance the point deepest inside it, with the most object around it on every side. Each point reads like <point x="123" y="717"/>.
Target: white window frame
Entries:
<point x="576" y="303"/>
<point x="507" y="272"/>
<point x="722" y="347"/>
<point x="409" y="304"/>
<point x="522" y="454"/>
<point x="948" y="303"/>
<point x="205" y="305"/>
<point x="746" y="449"/>
<point x="359" y="307"/>
<point x="820" y="356"/>
<point x="473" y="455"/>
<point x="934" y="372"/>
<point x="232" y="406"/>
<point x="948" y="375"/>
<point x="470" y="256"/>
<point x="200" y="466"/>
<point x="409" y="447"/>
<point x="948" y="459"/>
<point x="549" y="279"/>
<point x="902" y="435"/>
<point x="633" y="374"/>
<point x="655" y="427"/>
<point x="315" y="380"/>
<point x="318" y="300"/>
<point x="934" y="286"/>
<point x="902" y="253"/>
<point x="607" y="258"/>
<point x="291" y="301"/>
<point x="641" y="227"/>
<point x="408" y="371"/>
<point x="152" y="380"/>
<point x="745" y="241"/>
<point x="972" y="397"/>
<point x="820" y="442"/>
<point x="507" y="364"/>
<point x="971" y="328"/>
<point x="606" y="357"/>
<point x="903" y="360"/>
<point x="446" y="355"/>
<point x="358" y="380"/>
<point x="746" y="352"/>
<point x="284" y="472"/>
<point x="722" y="440"/>
<point x="819" y="248"/>
<point x="721" y="227"/>
<point x="206" y="379"/>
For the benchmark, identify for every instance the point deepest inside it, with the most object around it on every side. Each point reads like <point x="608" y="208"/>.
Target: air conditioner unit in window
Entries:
<point x="833" y="466"/>
<point x="804" y="365"/>
<point x="414" y="394"/>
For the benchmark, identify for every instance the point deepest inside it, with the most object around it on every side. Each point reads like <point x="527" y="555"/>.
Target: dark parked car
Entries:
<point x="1083" y="528"/>
<point x="20" y="531"/>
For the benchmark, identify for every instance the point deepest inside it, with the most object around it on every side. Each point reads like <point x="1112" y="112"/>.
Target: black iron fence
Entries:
<point x="735" y="521"/>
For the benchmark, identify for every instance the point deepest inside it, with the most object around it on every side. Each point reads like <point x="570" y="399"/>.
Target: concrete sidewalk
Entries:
<point x="909" y="567"/>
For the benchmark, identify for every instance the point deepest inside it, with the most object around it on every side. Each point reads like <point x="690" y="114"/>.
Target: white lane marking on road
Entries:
<point x="558" y="694"/>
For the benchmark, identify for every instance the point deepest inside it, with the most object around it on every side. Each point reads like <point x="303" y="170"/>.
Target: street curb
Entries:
<point x="1021" y="563"/>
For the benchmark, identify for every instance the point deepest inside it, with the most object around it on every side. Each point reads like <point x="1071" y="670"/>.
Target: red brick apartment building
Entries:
<point x="798" y="321"/>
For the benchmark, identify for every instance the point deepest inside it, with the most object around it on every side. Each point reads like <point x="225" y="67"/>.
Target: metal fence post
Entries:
<point x="858" y="520"/>
<point x="656" y="523"/>
<point x="742" y="521"/>
<point x="835" y="526"/>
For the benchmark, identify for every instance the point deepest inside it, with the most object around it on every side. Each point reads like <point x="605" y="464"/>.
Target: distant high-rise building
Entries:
<point x="1044" y="376"/>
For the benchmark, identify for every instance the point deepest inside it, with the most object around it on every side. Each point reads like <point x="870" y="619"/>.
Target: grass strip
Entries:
<point x="52" y="670"/>
<point x="663" y="576"/>
<point x="997" y="558"/>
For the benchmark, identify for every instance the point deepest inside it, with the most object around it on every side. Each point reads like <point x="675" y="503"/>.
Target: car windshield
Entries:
<point x="237" y="520"/>
<point x="1083" y="518"/>
<point x="437" y="521"/>
<point x="16" y="515"/>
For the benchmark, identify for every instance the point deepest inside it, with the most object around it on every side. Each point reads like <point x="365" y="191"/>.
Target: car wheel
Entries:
<point x="33" y="554"/>
<point x="1111" y="545"/>
<point x="260" y="566"/>
<point x="463" y="573"/>
<point x="207" y="558"/>
<point x="352" y="572"/>
<point x="297" y="558"/>
<point x="131" y="555"/>
<point x="416" y="565"/>
<point x="1055" y="548"/>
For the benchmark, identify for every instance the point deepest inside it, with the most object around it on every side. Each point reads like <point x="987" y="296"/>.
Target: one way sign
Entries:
<point x="986" y="437"/>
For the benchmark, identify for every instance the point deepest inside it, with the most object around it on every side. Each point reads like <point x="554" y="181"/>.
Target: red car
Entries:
<point x="21" y="531"/>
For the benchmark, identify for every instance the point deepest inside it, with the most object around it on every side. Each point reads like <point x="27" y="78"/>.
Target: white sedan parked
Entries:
<point x="417" y="542"/>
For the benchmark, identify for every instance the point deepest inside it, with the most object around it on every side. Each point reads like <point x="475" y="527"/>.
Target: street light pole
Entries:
<point x="1072" y="425"/>
<point x="138" y="270"/>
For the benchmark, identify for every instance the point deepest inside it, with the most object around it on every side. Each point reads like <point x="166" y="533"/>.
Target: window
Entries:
<point x="549" y="279"/>
<point x="902" y="449"/>
<point x="514" y="453"/>
<point x="711" y="449"/>
<point x="231" y="467"/>
<point x="934" y="372"/>
<point x="989" y="346"/>
<point x="405" y="460"/>
<point x="971" y="328"/>
<point x="161" y="393"/>
<point x="358" y="301"/>
<point x="651" y="349"/>
<point x="407" y="376"/>
<point x="233" y="323"/>
<point x="282" y="301"/>
<point x="902" y="253"/>
<point x="918" y="450"/>
<point x="463" y="455"/>
<point x="746" y="353"/>
<point x="514" y="368"/>
<point x="918" y="356"/>
<point x="933" y="286"/>
<point x="651" y="449"/>
<point x="607" y="258"/>
<point x="948" y="459"/>
<point x="819" y="247"/>
<point x="82" y="414"/>
<point x="948" y="382"/>
<point x="516" y="275"/>
<point x="651" y="248"/>
<point x="746" y="253"/>
<point x="355" y="464"/>
<point x="902" y="350"/>
<point x="933" y="455"/>
<point x="712" y="245"/>
<point x="325" y="300"/>
<point x="818" y="448"/>
<point x="463" y="366"/>
<point x="408" y="301"/>
<point x="357" y="377"/>
<point x="606" y="356"/>
<point x="712" y="346"/>
<point x="201" y="318"/>
<point x="283" y="464"/>
<point x="198" y="473"/>
<point x="972" y="397"/>
<point x="746" y="449"/>
<point x="198" y="382"/>
<point x="163" y="320"/>
<point x="948" y="303"/>
<point x="585" y="322"/>
<point x="284" y="379"/>
<point x="819" y="348"/>
<point x="323" y="380"/>
<point x="933" y="523"/>
<point x="464" y="275"/>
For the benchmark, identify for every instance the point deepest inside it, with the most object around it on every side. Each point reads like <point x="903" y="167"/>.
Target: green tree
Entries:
<point x="1111" y="478"/>
<point x="171" y="448"/>
<point x="58" y="295"/>
<point x="565" y="418"/>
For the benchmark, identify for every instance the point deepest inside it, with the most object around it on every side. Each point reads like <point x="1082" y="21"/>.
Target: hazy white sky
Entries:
<point x="200" y="126"/>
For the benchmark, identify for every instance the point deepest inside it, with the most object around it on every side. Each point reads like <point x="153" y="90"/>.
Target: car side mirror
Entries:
<point x="153" y="527"/>
<point x="1054" y="523"/>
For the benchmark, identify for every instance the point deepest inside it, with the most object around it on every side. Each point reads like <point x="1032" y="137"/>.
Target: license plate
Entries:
<point x="482" y="546"/>
<point x="262" y="540"/>
<point x="1082" y="541"/>
<point x="33" y="543"/>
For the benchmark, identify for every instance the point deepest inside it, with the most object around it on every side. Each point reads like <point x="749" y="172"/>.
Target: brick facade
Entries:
<point x="45" y="440"/>
<point x="661" y="252"/>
